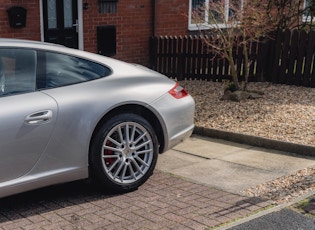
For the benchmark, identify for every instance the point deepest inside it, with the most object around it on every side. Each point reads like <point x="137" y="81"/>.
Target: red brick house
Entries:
<point x="118" y="28"/>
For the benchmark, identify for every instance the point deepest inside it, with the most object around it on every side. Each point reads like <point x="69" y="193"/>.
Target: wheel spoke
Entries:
<point x="120" y="134"/>
<point x="112" y="149"/>
<point x="142" y="161"/>
<point x="144" y="151"/>
<point x="119" y="169"/>
<point x="105" y="156"/>
<point x="113" y="165"/>
<point x="122" y="177"/>
<point x="132" y="172"/>
<point x="127" y="139"/>
<point x="141" y="137"/>
<point x="137" y="166"/>
<point x="132" y="138"/>
<point x="143" y="144"/>
<point x="113" y="141"/>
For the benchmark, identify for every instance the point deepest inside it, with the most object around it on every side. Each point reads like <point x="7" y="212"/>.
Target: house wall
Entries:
<point x="32" y="29"/>
<point x="136" y="21"/>
<point x="171" y="17"/>
<point x="133" y="22"/>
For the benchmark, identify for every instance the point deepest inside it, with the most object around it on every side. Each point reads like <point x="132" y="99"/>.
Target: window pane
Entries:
<point x="67" y="12"/>
<point x="197" y="3"/>
<point x="217" y="11"/>
<point x="17" y="71"/>
<point x="214" y="12"/>
<point x="65" y="70"/>
<point x="198" y="11"/>
<point x="52" y="14"/>
<point x="309" y="8"/>
<point x="234" y="7"/>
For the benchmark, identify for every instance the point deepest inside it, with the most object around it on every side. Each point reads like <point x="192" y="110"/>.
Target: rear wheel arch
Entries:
<point x="139" y="110"/>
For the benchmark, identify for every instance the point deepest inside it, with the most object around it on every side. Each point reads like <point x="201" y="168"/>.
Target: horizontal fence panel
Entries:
<point x="294" y="58"/>
<point x="286" y="59"/>
<point x="188" y="57"/>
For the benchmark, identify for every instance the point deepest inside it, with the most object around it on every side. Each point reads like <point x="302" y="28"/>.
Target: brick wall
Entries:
<point x="32" y="29"/>
<point x="172" y="17"/>
<point x="134" y="25"/>
<point x="133" y="20"/>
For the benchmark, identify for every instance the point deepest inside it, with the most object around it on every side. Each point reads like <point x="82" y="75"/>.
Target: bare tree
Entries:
<point x="230" y="24"/>
<point x="289" y="14"/>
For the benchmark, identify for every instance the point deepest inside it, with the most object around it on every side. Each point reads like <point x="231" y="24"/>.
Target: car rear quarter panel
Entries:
<point x="82" y="106"/>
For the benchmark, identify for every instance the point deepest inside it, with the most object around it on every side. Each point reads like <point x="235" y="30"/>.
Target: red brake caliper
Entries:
<point x="109" y="161"/>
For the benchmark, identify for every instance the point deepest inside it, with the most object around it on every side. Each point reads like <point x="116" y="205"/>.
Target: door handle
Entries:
<point x="76" y="25"/>
<point x="39" y="117"/>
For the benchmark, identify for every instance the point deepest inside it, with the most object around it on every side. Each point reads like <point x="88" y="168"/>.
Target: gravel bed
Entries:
<point x="286" y="188"/>
<point x="285" y="113"/>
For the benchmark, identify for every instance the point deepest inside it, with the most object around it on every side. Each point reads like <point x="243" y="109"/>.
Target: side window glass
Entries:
<point x="17" y="71"/>
<point x="64" y="70"/>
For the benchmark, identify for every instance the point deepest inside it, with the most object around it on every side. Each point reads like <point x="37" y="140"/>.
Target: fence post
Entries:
<point x="274" y="54"/>
<point x="153" y="53"/>
<point x="180" y="58"/>
<point x="262" y="54"/>
<point x="312" y="68"/>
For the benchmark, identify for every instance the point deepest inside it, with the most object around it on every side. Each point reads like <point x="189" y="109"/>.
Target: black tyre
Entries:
<point x="124" y="152"/>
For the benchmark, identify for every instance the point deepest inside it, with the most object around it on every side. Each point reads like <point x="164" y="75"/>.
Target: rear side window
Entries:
<point x="17" y="71"/>
<point x="61" y="70"/>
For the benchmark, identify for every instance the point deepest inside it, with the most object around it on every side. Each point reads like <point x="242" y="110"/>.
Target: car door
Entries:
<point x="27" y="116"/>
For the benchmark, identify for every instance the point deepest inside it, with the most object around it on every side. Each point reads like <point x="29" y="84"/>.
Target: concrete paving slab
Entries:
<point x="271" y="160"/>
<point x="229" y="166"/>
<point x="200" y="146"/>
<point x="172" y="160"/>
<point x="223" y="175"/>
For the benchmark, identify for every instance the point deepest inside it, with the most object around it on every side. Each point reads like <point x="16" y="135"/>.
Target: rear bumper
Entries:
<point x="176" y="139"/>
<point x="176" y="117"/>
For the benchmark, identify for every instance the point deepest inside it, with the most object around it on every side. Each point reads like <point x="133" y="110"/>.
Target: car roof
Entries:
<point x="20" y="42"/>
<point x="111" y="63"/>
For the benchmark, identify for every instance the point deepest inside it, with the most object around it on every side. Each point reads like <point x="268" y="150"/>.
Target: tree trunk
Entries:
<point x="233" y="70"/>
<point x="246" y="63"/>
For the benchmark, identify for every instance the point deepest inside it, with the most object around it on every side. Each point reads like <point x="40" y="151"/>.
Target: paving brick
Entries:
<point x="206" y="221"/>
<point x="52" y="217"/>
<point x="36" y="218"/>
<point x="183" y="227"/>
<point x="187" y="210"/>
<point x="191" y="224"/>
<point x="164" y="202"/>
<point x="208" y="210"/>
<point x="13" y="225"/>
<point x="165" y="210"/>
<point x="130" y="216"/>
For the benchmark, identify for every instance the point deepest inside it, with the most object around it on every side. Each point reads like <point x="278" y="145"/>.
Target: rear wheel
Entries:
<point x="124" y="152"/>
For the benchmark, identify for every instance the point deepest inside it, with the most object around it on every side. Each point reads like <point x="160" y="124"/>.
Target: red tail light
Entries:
<point x="178" y="92"/>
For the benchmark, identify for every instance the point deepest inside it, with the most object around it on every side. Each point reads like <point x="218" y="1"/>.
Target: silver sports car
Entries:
<point x="68" y="114"/>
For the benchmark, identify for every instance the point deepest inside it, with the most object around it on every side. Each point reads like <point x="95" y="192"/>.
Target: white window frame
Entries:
<point x="306" y="18"/>
<point x="206" y="25"/>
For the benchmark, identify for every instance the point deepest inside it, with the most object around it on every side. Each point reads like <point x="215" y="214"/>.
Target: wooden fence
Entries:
<point x="288" y="59"/>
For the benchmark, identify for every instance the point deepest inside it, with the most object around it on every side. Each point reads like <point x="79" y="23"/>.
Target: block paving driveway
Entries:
<point x="165" y="201"/>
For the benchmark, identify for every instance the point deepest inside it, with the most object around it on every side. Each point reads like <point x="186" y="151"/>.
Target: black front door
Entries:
<point x="61" y="22"/>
